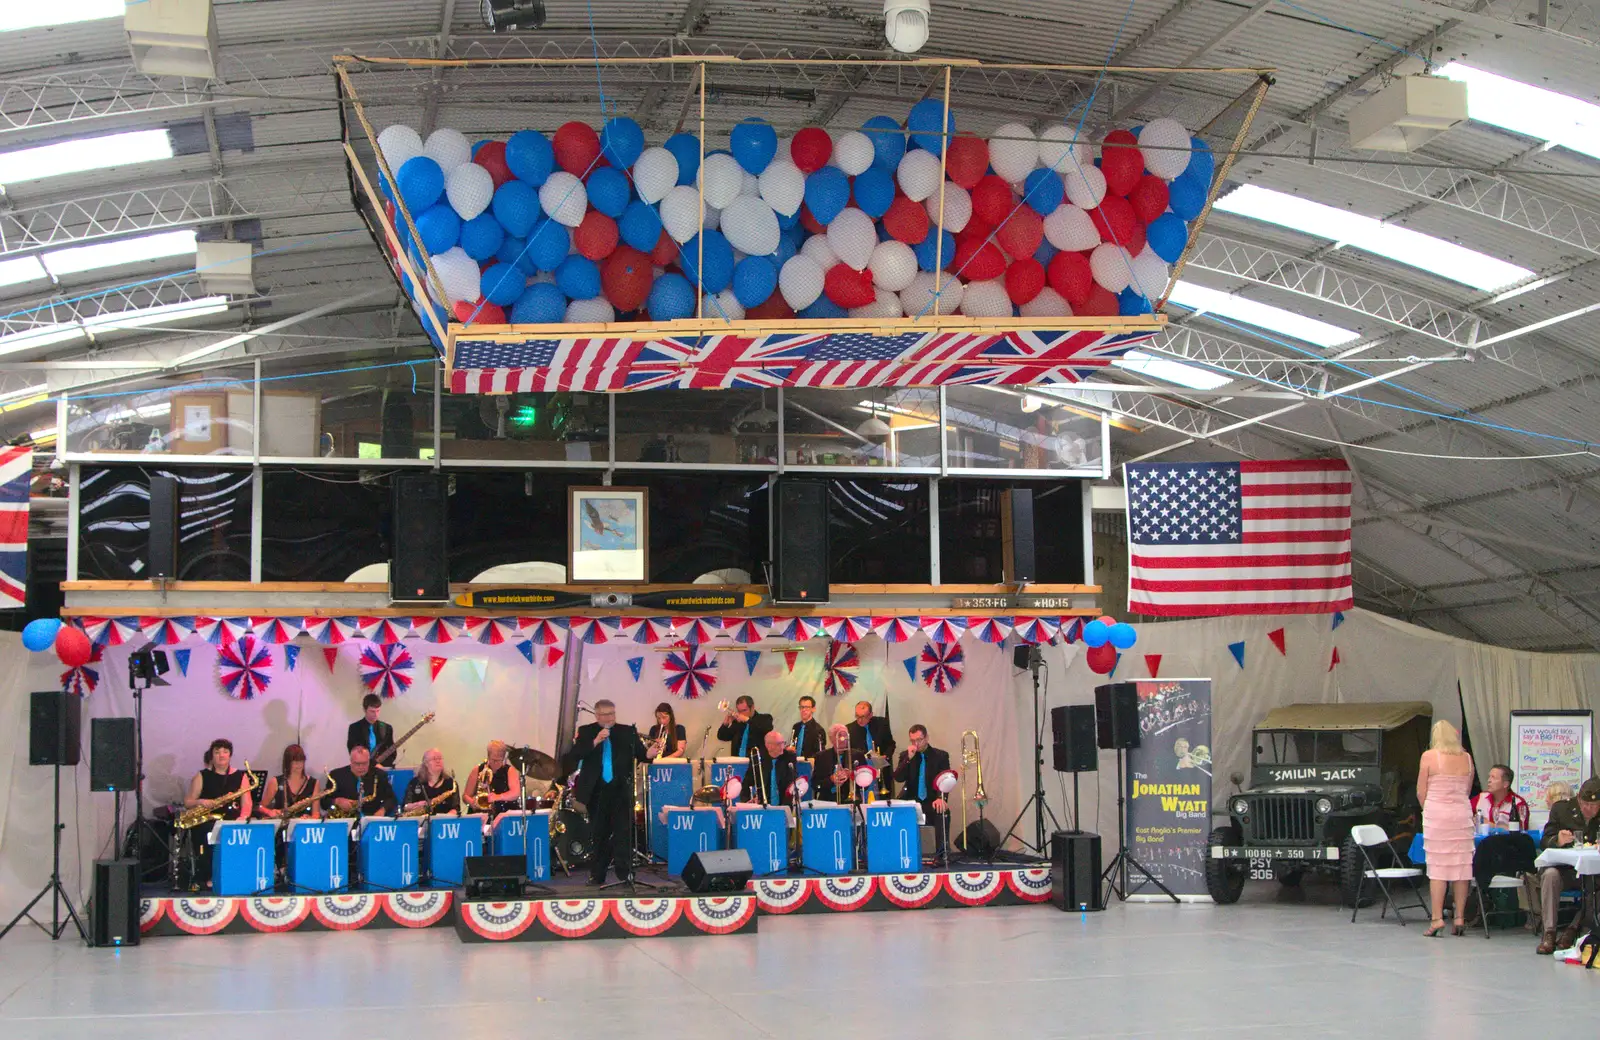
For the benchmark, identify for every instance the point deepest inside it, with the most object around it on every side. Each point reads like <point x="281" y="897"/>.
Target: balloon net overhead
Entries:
<point x="646" y="222"/>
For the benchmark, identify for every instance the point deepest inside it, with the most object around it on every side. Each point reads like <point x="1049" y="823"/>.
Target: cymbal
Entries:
<point x="534" y="764"/>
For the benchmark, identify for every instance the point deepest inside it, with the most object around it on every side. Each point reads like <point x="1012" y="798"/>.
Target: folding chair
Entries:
<point x="1369" y="836"/>
<point x="1505" y="859"/>
<point x="1496" y="882"/>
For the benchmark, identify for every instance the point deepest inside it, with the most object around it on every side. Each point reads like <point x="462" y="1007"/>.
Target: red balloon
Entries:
<point x="1069" y="275"/>
<point x="1101" y="659"/>
<point x="774" y="307"/>
<point x="848" y="288"/>
<point x="1108" y="619"/>
<point x="978" y="229"/>
<point x="811" y="223"/>
<point x="1121" y="161"/>
<point x="811" y="149"/>
<point x="992" y="200"/>
<point x="596" y="237"/>
<point x="1024" y="280"/>
<point x="1149" y="197"/>
<point x="1117" y="222"/>
<point x="73" y="647"/>
<point x="968" y="160"/>
<point x="979" y="261"/>
<point x="906" y="221"/>
<point x="481" y="313"/>
<point x="577" y="146"/>
<point x="665" y="252"/>
<point x="626" y="277"/>
<point x="1022" y="233"/>
<point x="1102" y="303"/>
<point x="492" y="157"/>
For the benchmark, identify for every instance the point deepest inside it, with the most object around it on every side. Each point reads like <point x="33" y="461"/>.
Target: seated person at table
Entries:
<point x="830" y="775"/>
<point x="776" y="764"/>
<point x="743" y="727"/>
<point x="286" y="791"/>
<point x="432" y="791"/>
<point x="370" y="732"/>
<point x="668" y="732"/>
<point x="502" y="786"/>
<point x="1558" y="791"/>
<point x="1498" y="805"/>
<point x="1576" y="821"/>
<point x="359" y="780"/>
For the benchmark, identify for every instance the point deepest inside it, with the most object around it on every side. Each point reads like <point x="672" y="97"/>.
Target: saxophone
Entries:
<point x="427" y="808"/>
<point x="305" y="803"/>
<point x="337" y="813"/>
<point x="199" y="814"/>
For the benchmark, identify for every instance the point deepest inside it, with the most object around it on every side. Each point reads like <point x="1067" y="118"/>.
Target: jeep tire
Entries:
<point x="1351" y="869"/>
<point x="1225" y="877"/>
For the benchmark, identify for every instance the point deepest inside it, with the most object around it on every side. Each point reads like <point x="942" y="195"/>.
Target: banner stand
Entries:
<point x="1168" y="788"/>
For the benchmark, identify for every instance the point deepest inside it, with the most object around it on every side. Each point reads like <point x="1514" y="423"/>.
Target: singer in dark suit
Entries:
<point x="771" y="773"/>
<point x="369" y="731"/>
<point x="605" y="753"/>
<point x="359" y="780"/>
<point x="744" y="728"/>
<point x="919" y="765"/>
<point x="872" y="736"/>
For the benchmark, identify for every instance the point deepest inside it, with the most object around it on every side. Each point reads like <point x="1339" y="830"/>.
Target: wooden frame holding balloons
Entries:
<point x="513" y="307"/>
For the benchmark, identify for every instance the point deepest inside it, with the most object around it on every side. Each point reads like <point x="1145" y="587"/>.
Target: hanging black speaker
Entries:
<point x="54" y="728"/>
<point x="1116" y="710"/>
<point x="1018" y="558"/>
<point x="800" y="569"/>
<point x="1072" y="733"/>
<point x="163" y="551"/>
<point x="419" y="568"/>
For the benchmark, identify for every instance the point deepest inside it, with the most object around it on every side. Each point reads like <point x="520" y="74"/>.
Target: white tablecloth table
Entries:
<point x="1586" y="861"/>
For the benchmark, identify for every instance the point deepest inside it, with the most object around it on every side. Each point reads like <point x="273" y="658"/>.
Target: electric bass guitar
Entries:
<point x="393" y="749"/>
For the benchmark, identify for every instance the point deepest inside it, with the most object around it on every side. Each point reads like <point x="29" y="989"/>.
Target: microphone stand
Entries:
<point x="361" y="818"/>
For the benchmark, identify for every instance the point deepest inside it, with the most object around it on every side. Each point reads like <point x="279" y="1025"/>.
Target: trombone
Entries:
<point x="972" y="761"/>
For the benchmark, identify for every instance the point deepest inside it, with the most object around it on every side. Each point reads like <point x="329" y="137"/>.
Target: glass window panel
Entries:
<point x="507" y="516"/>
<point x="1000" y="428"/>
<point x="971" y="532"/>
<point x="322" y="524"/>
<point x="715" y="427"/>
<point x="211" y="416"/>
<point x="878" y="531"/>
<point x="213" y="522"/>
<point x="560" y="427"/>
<point x="705" y="523"/>
<point x="377" y="410"/>
<point x="870" y="426"/>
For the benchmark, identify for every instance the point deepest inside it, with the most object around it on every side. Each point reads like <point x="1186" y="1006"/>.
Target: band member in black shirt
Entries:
<point x="218" y="779"/>
<point x="771" y="773"/>
<point x="370" y="732"/>
<point x="919" y="765"/>
<point x="359" y="780"/>
<point x="743" y="727"/>
<point x="293" y="785"/>
<point x="430" y="783"/>
<point x="503" y="783"/>
<point x="606" y="753"/>
<point x="808" y="737"/>
<point x="830" y="773"/>
<point x="668" y="732"/>
<point x="874" y="738"/>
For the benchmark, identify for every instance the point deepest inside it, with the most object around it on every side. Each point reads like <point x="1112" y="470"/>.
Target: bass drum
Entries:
<point x="570" y="831"/>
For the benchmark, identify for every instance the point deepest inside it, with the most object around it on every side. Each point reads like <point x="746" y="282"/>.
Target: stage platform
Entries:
<point x="576" y="910"/>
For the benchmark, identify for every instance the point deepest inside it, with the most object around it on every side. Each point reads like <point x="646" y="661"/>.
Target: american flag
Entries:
<point x="1259" y="537"/>
<point x="16" y="475"/>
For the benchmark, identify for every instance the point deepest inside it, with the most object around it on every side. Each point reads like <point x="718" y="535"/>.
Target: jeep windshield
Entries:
<point x="1281" y="747"/>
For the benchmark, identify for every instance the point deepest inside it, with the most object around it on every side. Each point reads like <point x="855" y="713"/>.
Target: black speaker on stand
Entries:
<point x="800" y="544"/>
<point x="53" y="731"/>
<point x="1072" y="748"/>
<point x="1117" y="721"/>
<point x="418" y="568"/>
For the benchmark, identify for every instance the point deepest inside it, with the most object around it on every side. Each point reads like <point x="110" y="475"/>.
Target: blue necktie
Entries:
<point x="744" y="740"/>
<point x="922" y="780"/>
<point x="773" y="794"/>
<point x="800" y="739"/>
<point x="868" y="731"/>
<point x="372" y="737"/>
<point x="605" y="762"/>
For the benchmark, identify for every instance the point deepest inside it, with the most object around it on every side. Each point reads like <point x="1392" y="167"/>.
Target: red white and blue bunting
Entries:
<point x="221" y="631"/>
<point x="689" y="673"/>
<point x="277" y="629"/>
<point x="166" y="631"/>
<point x="646" y="630"/>
<point x="896" y="629"/>
<point x="748" y="630"/>
<point x="942" y="665"/>
<point x="697" y="629"/>
<point x="244" y="668"/>
<point x="384" y="630"/>
<point x="331" y="631"/>
<point x="839" y="669"/>
<point x="386" y="670"/>
<point x="80" y="680"/>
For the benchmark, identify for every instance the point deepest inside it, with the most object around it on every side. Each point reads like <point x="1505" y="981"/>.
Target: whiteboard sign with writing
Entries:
<point x="1549" y="747"/>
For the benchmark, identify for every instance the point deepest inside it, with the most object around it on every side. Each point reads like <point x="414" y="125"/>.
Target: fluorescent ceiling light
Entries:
<point x="1172" y="371"/>
<point x="123" y="251"/>
<point x="62" y="332"/>
<point x="20" y="15"/>
<point x="1263" y="315"/>
<point x="1403" y="245"/>
<point x="84" y="153"/>
<point x="42" y="336"/>
<point x="1526" y="109"/>
<point x="25" y="269"/>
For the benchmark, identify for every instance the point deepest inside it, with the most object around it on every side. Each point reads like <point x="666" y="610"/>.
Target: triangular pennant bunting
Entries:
<point x="330" y="654"/>
<point x="1276" y="635"/>
<point x="790" y="657"/>
<point x="1237" y="650"/>
<point x="1114" y="664"/>
<point x="553" y="655"/>
<point x="291" y="656"/>
<point x="1153" y="663"/>
<point x="911" y="666"/>
<point x="1338" y="619"/>
<point x="751" y="659"/>
<point x="1334" y="660"/>
<point x="525" y="648"/>
<point x="182" y="657"/>
<point x="636" y="666"/>
<point x="480" y="666"/>
<point x="436" y="665"/>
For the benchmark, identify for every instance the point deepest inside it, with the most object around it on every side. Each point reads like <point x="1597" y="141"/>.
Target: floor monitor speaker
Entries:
<point x="801" y="543"/>
<point x="114" y="904"/>
<point x="111" y="754"/>
<point x="419" y="570"/>
<point x="725" y="871"/>
<point x="1075" y="870"/>
<point x="493" y="877"/>
<point x="1072" y="732"/>
<point x="163" y="553"/>
<point x="1116" y="707"/>
<point x="1018" y="559"/>
<point x="54" y="728"/>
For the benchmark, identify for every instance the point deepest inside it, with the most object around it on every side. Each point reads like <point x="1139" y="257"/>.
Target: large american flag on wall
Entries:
<point x="1256" y="537"/>
<point x="16" y="476"/>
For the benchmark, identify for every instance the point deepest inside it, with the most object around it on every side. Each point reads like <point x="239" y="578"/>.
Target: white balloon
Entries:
<point x="853" y="152"/>
<point x="800" y="281"/>
<point x="1111" y="266"/>
<point x="885" y="304"/>
<point x="986" y="300"/>
<point x="1048" y="304"/>
<point x="1070" y="228"/>
<point x="893" y="265"/>
<point x="918" y="175"/>
<point x="655" y="173"/>
<point x="470" y="189"/>
<point x="751" y="226"/>
<point x="750" y="185"/>
<point x="1013" y="151"/>
<point x="783" y="186"/>
<point x="817" y="248"/>
<point x="564" y="199"/>
<point x="399" y="143"/>
<point x="851" y="236"/>
<point x="449" y="148"/>
<point x="722" y="177"/>
<point x="1149" y="274"/>
<point x="1086" y="186"/>
<point x="917" y="298"/>
<point x="458" y="275"/>
<point x="680" y="213"/>
<point x="592" y="311"/>
<point x="1164" y="143"/>
<point x="722" y="307"/>
<point x="1061" y="150"/>
<point x="957" y="207"/>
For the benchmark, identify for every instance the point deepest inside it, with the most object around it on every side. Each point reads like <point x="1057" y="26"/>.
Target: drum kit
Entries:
<point x="569" y="827"/>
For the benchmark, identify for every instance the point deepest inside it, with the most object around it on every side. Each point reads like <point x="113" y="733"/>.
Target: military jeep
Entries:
<point x="1318" y="770"/>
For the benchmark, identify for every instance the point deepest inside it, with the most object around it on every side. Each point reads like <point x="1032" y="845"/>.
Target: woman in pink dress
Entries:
<point x="1444" y="782"/>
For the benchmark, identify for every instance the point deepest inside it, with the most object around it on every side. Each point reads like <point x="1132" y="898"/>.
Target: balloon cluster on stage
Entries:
<point x="594" y="226"/>
<point x="1106" y="638"/>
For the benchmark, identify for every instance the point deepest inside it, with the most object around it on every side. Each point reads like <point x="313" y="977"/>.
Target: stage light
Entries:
<point x="503" y="15"/>
<point x="905" y="24"/>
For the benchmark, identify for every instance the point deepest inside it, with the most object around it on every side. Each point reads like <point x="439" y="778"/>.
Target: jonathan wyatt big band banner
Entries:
<point x="1169" y="788"/>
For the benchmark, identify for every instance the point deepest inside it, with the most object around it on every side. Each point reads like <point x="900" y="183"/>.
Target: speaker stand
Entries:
<point x="53" y="888"/>
<point x="1036" y="799"/>
<point x="1115" y="876"/>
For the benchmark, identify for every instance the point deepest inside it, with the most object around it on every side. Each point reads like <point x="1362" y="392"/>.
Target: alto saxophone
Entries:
<point x="427" y="808"/>
<point x="199" y="814"/>
<point x="483" y="800"/>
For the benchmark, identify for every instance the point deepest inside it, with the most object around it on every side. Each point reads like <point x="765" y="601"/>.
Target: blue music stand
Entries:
<point x="319" y="855"/>
<point x="763" y="832"/>
<point x="893" y="842"/>
<point x="451" y="839"/>
<point x="690" y="831"/>
<point x="387" y="852"/>
<point x="243" y="857"/>
<point x="828" y="838"/>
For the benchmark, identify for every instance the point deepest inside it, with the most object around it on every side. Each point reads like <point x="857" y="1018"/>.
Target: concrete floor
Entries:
<point x="1267" y="967"/>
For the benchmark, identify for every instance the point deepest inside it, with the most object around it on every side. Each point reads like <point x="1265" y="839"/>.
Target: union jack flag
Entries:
<point x="16" y="474"/>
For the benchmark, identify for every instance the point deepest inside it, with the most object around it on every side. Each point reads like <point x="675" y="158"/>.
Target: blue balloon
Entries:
<point x="718" y="262"/>
<point x="530" y="157"/>
<point x="476" y="145"/>
<point x="925" y="121"/>
<point x="621" y="141"/>
<point x="686" y="149"/>
<point x="515" y="251"/>
<point x="1043" y="190"/>
<point x="516" y="207"/>
<point x="40" y="634"/>
<point x="384" y="187"/>
<point x="790" y="221"/>
<point x="754" y="143"/>
<point x="888" y="142"/>
<point x="927" y="248"/>
<point x="421" y="182"/>
<point x="823" y="308"/>
<point x="671" y="298"/>
<point x="482" y="236"/>
<point x="788" y="246"/>
<point x="827" y="193"/>
<point x="1186" y="196"/>
<point x="540" y="304"/>
<point x="1202" y="161"/>
<point x="874" y="191"/>
<point x="609" y="190"/>
<point x="578" y="277"/>
<point x="1123" y="635"/>
<point x="640" y="225"/>
<point x="1131" y="302"/>
<point x="754" y="278"/>
<point x="439" y="227"/>
<point x="1096" y="633"/>
<point x="1167" y="235"/>
<point x="503" y="283"/>
<point x="548" y="245"/>
<point x="1045" y="253"/>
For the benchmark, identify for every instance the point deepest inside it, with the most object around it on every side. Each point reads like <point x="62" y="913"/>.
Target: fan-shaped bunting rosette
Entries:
<point x="990" y="629"/>
<point x="166" y="631"/>
<point x="592" y="630"/>
<point x="840" y="668"/>
<point x="944" y="629"/>
<point x="697" y="630"/>
<point x="331" y="631"/>
<point x="386" y="670"/>
<point x="1071" y="629"/>
<point x="545" y="631"/>
<point x="1036" y="629"/>
<point x="244" y="668"/>
<point x="435" y="629"/>
<point x="80" y="681"/>
<point x="492" y="631"/>
<point x="942" y="665"/>
<point x="797" y="629"/>
<point x="748" y="630"/>
<point x="276" y="630"/>
<point x="689" y="673"/>
<point x="646" y="630"/>
<point x="384" y="630"/>
<point x="896" y="629"/>
<point x="108" y="631"/>
<point x="221" y="631"/>
<point x="847" y="629"/>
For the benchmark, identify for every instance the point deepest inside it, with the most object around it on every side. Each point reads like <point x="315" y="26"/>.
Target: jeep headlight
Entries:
<point x="1241" y="807"/>
<point x="1324" y="806"/>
